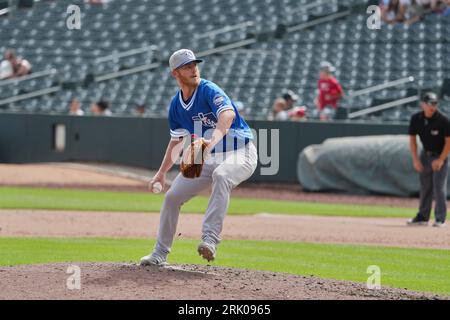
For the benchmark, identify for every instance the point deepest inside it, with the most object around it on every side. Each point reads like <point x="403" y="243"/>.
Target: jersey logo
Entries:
<point x="324" y="86"/>
<point x="218" y="100"/>
<point x="208" y="120"/>
<point x="434" y="132"/>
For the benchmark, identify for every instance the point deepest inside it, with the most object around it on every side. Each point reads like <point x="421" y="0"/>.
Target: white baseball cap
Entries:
<point x="327" y="66"/>
<point x="182" y="57"/>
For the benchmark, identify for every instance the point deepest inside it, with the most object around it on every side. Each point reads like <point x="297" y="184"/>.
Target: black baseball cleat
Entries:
<point x="417" y="221"/>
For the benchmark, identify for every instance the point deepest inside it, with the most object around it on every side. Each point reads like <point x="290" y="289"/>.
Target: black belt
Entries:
<point x="432" y="153"/>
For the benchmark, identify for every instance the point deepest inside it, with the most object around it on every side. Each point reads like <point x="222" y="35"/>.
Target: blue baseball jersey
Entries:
<point x="202" y="111"/>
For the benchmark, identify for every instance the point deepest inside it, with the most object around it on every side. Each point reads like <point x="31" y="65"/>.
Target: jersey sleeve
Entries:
<point x="412" y="130"/>
<point x="218" y="100"/>
<point x="176" y="129"/>
<point x="338" y="87"/>
<point x="447" y="127"/>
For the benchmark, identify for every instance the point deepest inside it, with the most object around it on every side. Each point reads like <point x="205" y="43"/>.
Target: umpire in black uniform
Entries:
<point x="433" y="129"/>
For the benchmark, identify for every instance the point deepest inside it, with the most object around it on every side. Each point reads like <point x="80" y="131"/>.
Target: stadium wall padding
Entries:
<point x="141" y="142"/>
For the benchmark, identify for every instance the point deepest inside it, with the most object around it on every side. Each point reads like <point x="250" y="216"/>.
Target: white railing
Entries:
<point x="8" y="9"/>
<point x="382" y="107"/>
<point x="312" y="5"/>
<point x="39" y="74"/>
<point x="119" y="55"/>
<point x="151" y="66"/>
<point x="30" y="95"/>
<point x="4" y="11"/>
<point x="127" y="72"/>
<point x="382" y="86"/>
<point x="227" y="47"/>
<point x="316" y="22"/>
<point x="225" y="29"/>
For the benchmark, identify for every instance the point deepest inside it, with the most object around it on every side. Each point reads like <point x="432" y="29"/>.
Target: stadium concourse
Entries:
<point x="254" y="49"/>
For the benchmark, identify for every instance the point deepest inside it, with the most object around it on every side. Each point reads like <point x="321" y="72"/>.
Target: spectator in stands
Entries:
<point x="394" y="11"/>
<point x="282" y="106"/>
<point x="75" y="108"/>
<point x="411" y="11"/>
<point x="298" y="113"/>
<point x="101" y="108"/>
<point x="417" y="10"/>
<point x="6" y="70"/>
<point x="100" y="2"/>
<point x="443" y="7"/>
<point x="13" y="66"/>
<point x="438" y="6"/>
<point x="427" y="4"/>
<point x="140" y="109"/>
<point x="329" y="93"/>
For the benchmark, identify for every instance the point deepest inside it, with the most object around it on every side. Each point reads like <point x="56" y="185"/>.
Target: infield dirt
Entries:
<point x="186" y="282"/>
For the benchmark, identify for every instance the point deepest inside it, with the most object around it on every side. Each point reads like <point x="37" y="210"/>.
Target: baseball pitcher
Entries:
<point x="229" y="156"/>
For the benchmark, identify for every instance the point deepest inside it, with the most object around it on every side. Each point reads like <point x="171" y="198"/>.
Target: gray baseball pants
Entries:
<point x="433" y="183"/>
<point x="224" y="171"/>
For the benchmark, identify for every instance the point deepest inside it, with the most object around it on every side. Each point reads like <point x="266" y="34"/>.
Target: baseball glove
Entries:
<point x="192" y="160"/>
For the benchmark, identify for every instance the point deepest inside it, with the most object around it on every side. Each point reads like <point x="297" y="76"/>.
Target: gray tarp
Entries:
<point x="362" y="165"/>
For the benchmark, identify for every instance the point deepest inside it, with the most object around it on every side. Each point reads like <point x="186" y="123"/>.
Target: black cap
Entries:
<point x="103" y="104"/>
<point x="430" y="97"/>
<point x="289" y="94"/>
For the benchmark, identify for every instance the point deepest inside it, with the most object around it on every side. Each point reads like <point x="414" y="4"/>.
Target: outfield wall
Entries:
<point x="30" y="138"/>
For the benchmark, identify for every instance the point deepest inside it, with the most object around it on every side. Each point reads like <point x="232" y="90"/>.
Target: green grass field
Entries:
<point x="89" y="200"/>
<point x="415" y="269"/>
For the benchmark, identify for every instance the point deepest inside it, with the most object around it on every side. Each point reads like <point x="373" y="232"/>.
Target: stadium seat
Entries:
<point x="362" y="57"/>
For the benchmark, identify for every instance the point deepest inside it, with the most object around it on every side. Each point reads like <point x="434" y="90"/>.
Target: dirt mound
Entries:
<point x="129" y="281"/>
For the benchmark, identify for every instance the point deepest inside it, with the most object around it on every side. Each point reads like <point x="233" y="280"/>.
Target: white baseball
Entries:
<point x="157" y="187"/>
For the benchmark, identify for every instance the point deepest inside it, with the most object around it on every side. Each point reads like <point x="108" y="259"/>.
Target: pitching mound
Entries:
<point x="178" y="282"/>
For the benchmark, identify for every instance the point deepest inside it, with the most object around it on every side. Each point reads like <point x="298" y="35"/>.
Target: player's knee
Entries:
<point x="172" y="196"/>
<point x="220" y="177"/>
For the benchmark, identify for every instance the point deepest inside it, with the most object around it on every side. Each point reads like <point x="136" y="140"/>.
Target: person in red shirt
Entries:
<point x="330" y="91"/>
